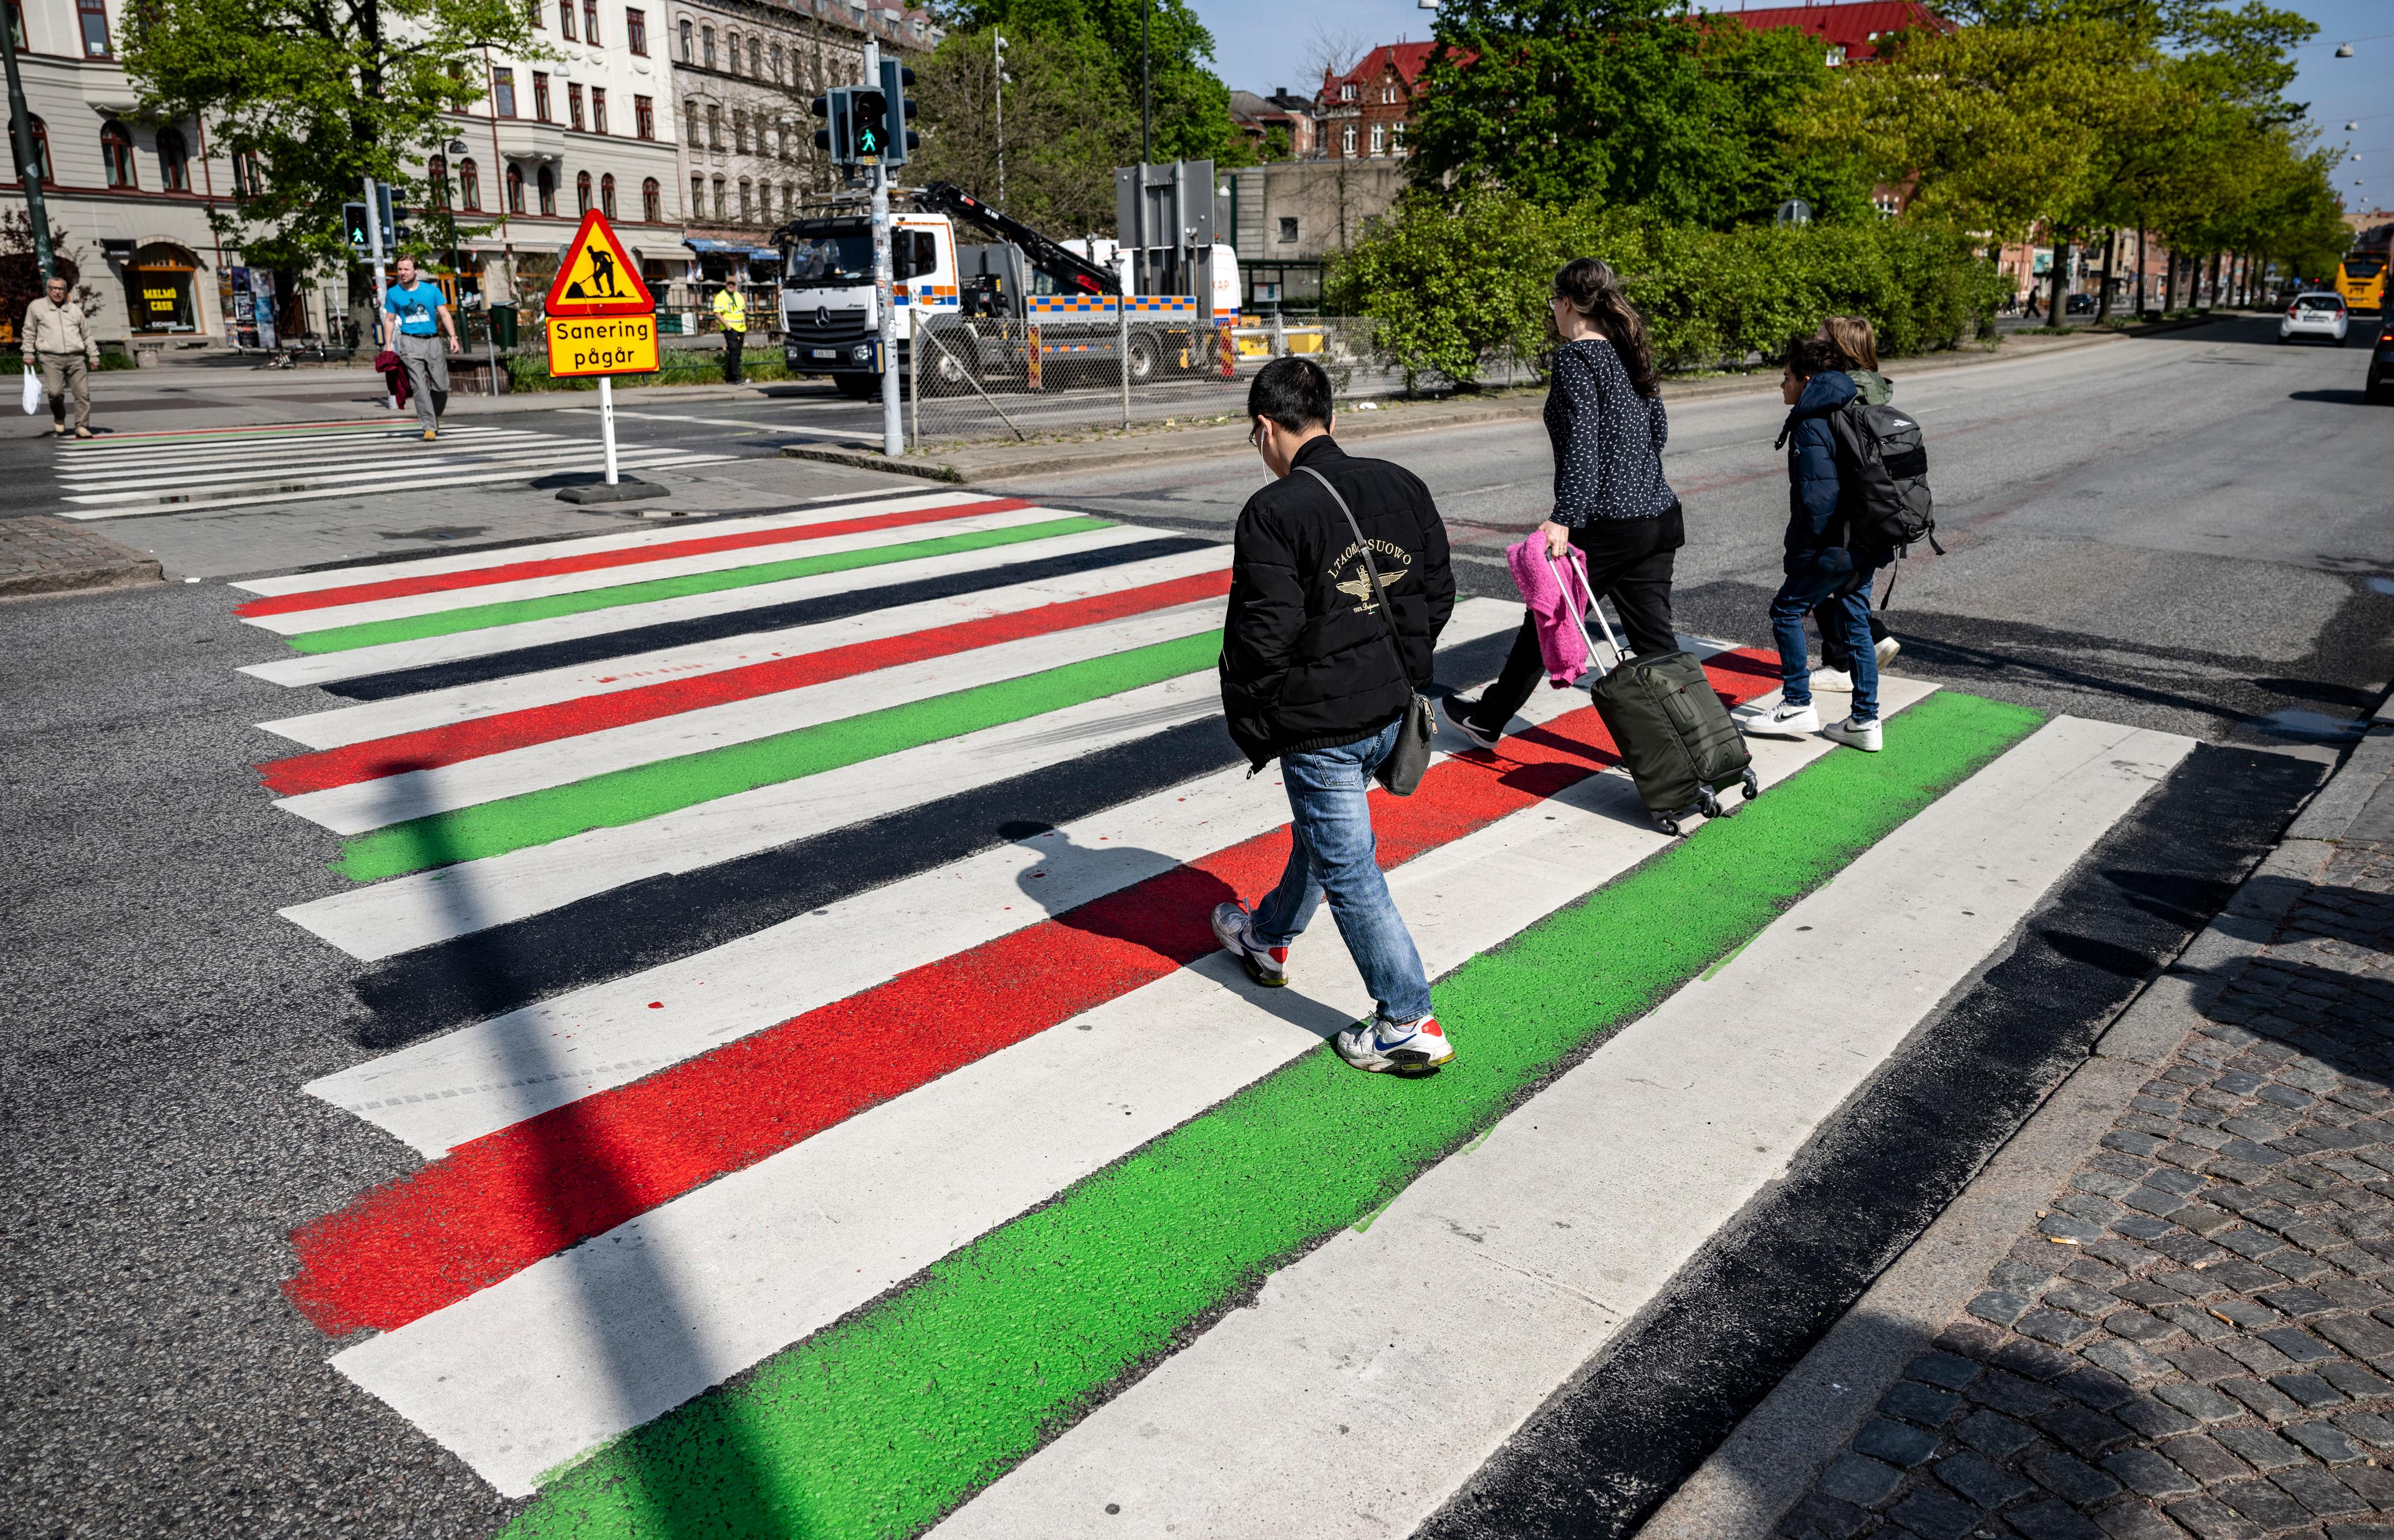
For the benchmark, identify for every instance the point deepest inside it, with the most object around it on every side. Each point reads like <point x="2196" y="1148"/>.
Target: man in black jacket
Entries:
<point x="1312" y="677"/>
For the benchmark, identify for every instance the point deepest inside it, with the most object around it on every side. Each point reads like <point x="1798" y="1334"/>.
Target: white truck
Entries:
<point x="1054" y="302"/>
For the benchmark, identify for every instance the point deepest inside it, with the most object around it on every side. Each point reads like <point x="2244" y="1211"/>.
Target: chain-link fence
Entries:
<point x="1007" y="378"/>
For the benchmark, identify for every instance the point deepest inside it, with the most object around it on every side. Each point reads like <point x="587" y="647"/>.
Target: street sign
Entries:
<point x="597" y="277"/>
<point x="584" y="346"/>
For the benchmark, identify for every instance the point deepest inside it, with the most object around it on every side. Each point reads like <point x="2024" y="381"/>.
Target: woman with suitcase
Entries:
<point x="1604" y="413"/>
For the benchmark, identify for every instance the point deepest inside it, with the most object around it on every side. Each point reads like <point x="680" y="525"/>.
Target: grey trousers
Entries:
<point x="65" y="374"/>
<point x="428" y="376"/>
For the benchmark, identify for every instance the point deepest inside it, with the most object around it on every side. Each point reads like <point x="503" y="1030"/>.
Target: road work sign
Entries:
<point x="597" y="277"/>
<point x="609" y="345"/>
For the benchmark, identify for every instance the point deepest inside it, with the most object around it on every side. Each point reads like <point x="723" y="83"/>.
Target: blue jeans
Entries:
<point x="1332" y="854"/>
<point x="1826" y="581"/>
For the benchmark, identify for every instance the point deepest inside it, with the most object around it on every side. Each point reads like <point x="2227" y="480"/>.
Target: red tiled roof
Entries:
<point x="1851" y="25"/>
<point x="1409" y="58"/>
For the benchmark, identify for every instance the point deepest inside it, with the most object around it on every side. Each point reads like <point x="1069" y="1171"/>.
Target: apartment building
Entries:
<point x="1363" y="111"/>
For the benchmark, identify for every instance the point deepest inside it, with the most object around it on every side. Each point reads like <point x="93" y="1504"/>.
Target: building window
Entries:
<point x="573" y="103"/>
<point x="755" y="58"/>
<point x="1288" y="229"/>
<point x="503" y="91"/>
<point x="652" y="199"/>
<point x="547" y="190"/>
<point x="636" y="32"/>
<point x="1347" y="141"/>
<point x="94" y="17"/>
<point x="687" y="56"/>
<point x="747" y="202"/>
<point x="565" y="18"/>
<point x="1887" y="204"/>
<point x="436" y="181"/>
<point x="714" y="127"/>
<point x="775" y="54"/>
<point x="1379" y="138"/>
<point x="739" y="131"/>
<point x="1388" y="94"/>
<point x="590" y="22"/>
<point x="116" y="151"/>
<point x="599" y="108"/>
<point x="731" y="45"/>
<point x="607" y="195"/>
<point x="173" y="161"/>
<point x="697" y="198"/>
<point x="470" y="187"/>
<point x="690" y="125"/>
<point x="515" y="189"/>
<point x="644" y="116"/>
<point x="1346" y="92"/>
<point x="42" y="156"/>
<point x="718" y="197"/>
<point x="1837" y="54"/>
<point x="582" y="192"/>
<point x="706" y="46"/>
<point x="540" y="95"/>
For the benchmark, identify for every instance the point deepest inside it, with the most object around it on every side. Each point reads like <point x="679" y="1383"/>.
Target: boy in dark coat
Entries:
<point x="1312" y="676"/>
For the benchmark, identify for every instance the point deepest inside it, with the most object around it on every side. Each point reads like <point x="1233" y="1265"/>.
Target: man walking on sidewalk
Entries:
<point x="1309" y="678"/>
<point x="415" y="318"/>
<point x="731" y="315"/>
<point x="59" y="335"/>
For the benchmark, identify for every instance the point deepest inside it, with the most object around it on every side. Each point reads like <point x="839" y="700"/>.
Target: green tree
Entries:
<point x="319" y="95"/>
<point x="1629" y="102"/>
<point x="1067" y="124"/>
<point x="1189" y="105"/>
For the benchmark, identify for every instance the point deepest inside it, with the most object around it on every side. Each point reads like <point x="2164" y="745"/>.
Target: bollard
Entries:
<point x="1032" y="366"/>
<point x="1228" y="348"/>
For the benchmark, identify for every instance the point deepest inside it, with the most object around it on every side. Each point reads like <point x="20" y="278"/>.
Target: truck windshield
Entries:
<point x="822" y="261"/>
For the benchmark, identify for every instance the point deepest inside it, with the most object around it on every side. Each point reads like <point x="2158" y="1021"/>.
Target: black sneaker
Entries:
<point x="1458" y="717"/>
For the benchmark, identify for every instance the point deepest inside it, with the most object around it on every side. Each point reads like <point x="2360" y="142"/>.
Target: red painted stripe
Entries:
<point x="495" y="1205"/>
<point x="592" y="562"/>
<point x="511" y="730"/>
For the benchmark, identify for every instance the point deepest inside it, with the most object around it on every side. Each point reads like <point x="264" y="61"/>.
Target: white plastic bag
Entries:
<point x="32" y="390"/>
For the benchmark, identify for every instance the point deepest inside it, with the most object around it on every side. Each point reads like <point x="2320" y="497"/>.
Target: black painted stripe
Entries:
<point x="645" y="924"/>
<point x="1634" y="1423"/>
<point x="739" y="622"/>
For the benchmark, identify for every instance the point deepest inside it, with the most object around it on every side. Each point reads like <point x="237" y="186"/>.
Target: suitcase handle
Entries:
<point x="1618" y="656"/>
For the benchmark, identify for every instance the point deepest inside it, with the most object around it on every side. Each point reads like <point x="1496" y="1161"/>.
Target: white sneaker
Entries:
<point x="1266" y="965"/>
<point x="1836" y="679"/>
<point x="1886" y="649"/>
<point x="1853" y="734"/>
<point x="1458" y="717"/>
<point x="1781" y="721"/>
<point x="1409" y="1048"/>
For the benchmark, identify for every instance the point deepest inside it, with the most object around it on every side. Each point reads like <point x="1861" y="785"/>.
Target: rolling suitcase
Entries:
<point x="1674" y="734"/>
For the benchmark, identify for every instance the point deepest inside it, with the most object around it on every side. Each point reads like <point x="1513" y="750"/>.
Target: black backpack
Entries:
<point x="1882" y="472"/>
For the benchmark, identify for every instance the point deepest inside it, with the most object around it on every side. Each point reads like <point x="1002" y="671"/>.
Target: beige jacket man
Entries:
<point x="58" y="336"/>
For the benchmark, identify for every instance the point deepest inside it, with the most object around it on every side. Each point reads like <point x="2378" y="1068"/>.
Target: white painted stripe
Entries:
<point x="364" y="805"/>
<point x="315" y="493"/>
<point x="113" y="451"/>
<point x="318" y="580"/>
<point x="366" y="475"/>
<point x="437" y="708"/>
<point x="145" y="461"/>
<point x="234" y="472"/>
<point x="543" y="1365"/>
<point x="1518" y="1261"/>
<point x="358" y="661"/>
<point x="409" y="606"/>
<point x="445" y="1090"/>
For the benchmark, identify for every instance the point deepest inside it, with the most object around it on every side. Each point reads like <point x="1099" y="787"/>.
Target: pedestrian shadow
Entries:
<point x="2333" y="398"/>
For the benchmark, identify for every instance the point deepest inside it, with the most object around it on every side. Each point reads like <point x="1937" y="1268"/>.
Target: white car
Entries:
<point x="2318" y="314"/>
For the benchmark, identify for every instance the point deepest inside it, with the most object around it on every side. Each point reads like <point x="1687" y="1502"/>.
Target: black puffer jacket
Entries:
<point x="1305" y="655"/>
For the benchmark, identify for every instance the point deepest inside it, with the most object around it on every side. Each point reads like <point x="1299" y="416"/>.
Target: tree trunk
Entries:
<point x="2215" y="280"/>
<point x="2103" y="300"/>
<point x="2140" y="268"/>
<point x="2056" y="303"/>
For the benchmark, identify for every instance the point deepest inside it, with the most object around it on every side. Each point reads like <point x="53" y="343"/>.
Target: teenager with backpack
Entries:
<point x="1857" y="341"/>
<point x="1339" y="586"/>
<point x="1604" y="414"/>
<point x="1824" y="572"/>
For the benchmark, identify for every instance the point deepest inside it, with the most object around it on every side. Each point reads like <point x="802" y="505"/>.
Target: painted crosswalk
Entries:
<point x="786" y="943"/>
<point x="127" y="474"/>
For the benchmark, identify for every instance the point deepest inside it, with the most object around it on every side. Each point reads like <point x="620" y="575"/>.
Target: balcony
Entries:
<point x="531" y="142"/>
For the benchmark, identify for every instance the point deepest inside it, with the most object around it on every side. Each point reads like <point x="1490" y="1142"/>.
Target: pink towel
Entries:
<point x="1562" y="639"/>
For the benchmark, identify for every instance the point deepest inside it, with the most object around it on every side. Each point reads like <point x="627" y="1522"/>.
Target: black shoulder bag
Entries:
<point x="1403" y="770"/>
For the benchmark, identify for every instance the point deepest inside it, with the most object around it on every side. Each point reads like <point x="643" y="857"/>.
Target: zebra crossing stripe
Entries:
<point x="500" y="464"/>
<point x="306" y="490"/>
<point x="985" y="531"/>
<point x="456" y="1226"/>
<point x="142" y="462"/>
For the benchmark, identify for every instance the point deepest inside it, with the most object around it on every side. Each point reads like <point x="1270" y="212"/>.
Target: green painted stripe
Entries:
<point x="644" y="791"/>
<point x="340" y="638"/>
<point x="876" y="1427"/>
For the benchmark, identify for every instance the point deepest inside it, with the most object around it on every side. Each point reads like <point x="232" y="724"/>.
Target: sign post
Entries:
<point x="603" y="322"/>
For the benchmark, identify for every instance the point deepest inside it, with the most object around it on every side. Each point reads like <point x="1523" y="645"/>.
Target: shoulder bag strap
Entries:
<point x="1371" y="569"/>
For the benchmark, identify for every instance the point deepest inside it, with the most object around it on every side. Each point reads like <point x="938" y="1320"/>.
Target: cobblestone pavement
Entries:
<point x="2196" y="1339"/>
<point x="46" y="556"/>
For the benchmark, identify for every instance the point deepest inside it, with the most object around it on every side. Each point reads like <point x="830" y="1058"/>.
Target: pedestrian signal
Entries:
<point x="836" y="109"/>
<point x="597" y="277"/>
<point x="897" y="109"/>
<point x="869" y="109"/>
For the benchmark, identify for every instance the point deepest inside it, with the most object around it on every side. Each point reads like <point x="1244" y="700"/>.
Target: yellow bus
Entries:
<point x="2361" y="277"/>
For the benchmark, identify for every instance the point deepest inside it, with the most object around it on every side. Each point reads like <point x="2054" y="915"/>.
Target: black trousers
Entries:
<point x="1628" y="558"/>
<point x="731" y="341"/>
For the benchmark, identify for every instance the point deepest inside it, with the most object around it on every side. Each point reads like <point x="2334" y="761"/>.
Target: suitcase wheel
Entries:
<point x="1707" y="803"/>
<point x="1668" y="824"/>
<point x="1752" y="784"/>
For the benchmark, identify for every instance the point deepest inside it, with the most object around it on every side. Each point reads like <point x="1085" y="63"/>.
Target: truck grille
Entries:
<point x="820" y="326"/>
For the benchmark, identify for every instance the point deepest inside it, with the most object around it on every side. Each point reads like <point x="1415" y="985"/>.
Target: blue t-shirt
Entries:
<point x="414" y="307"/>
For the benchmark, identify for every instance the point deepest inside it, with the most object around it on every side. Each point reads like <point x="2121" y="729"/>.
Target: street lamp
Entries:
<point x="2344" y="52"/>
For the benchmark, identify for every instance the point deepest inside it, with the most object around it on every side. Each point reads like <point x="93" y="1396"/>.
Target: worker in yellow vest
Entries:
<point x="731" y="315"/>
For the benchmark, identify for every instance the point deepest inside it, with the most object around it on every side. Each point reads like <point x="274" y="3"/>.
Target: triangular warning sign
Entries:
<point x="596" y="276"/>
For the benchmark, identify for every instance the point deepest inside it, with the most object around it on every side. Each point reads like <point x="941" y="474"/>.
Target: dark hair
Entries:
<point x="1294" y="392"/>
<point x="1855" y="337"/>
<point x="1594" y="290"/>
<point x="1807" y="356"/>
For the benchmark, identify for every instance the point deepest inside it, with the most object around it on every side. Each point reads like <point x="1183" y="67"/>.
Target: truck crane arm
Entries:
<point x="1072" y="274"/>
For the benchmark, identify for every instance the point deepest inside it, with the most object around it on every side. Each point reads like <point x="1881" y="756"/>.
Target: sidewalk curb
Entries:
<point x="1771" y="1460"/>
<point x="70" y="560"/>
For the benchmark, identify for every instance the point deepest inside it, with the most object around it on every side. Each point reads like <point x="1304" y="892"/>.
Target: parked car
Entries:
<point x="2380" y="385"/>
<point x="2080" y="304"/>
<point x="2316" y="314"/>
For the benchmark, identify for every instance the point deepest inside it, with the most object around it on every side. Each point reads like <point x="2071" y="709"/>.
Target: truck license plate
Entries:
<point x="823" y="353"/>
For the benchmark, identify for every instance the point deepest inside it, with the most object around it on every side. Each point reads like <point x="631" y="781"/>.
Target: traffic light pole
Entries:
<point x="893" y="430"/>
<point x="29" y="159"/>
<point x="373" y="247"/>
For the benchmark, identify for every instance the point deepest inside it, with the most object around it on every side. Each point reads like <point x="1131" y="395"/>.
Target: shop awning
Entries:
<point x="733" y="248"/>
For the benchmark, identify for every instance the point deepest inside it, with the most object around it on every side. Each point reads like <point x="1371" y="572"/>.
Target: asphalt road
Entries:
<point x="2188" y="533"/>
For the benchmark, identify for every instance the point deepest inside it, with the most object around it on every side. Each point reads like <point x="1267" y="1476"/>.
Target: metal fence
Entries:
<point x="1007" y="379"/>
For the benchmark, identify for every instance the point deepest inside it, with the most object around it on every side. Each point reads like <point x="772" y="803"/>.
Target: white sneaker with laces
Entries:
<point x="1408" y="1048"/>
<point x="1886" y="649"/>
<point x="1781" y="721"/>
<point x="1854" y="734"/>
<point x="1836" y="679"/>
<point x="1266" y="965"/>
<point x="1458" y="717"/>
